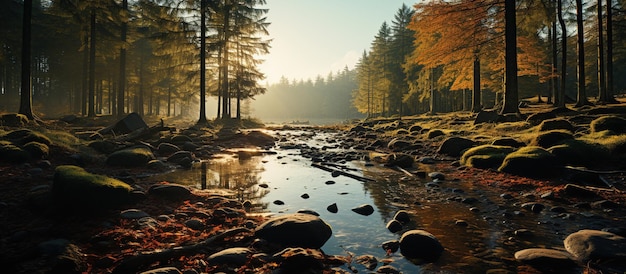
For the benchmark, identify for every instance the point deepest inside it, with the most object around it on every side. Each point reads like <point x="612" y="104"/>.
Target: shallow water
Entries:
<point x="488" y="242"/>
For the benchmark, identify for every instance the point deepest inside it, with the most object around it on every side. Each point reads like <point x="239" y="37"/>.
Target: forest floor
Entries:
<point x="32" y="231"/>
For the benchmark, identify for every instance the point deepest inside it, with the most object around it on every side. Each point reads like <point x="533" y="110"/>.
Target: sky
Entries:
<point x="315" y="37"/>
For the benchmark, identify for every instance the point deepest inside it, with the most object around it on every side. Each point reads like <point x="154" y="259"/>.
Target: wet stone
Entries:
<point x="365" y="210"/>
<point x="545" y="259"/>
<point x="133" y="214"/>
<point x="278" y="202"/>
<point x="330" y="182"/>
<point x="195" y="224"/>
<point x="402" y="216"/>
<point x="588" y="245"/>
<point x="420" y="245"/>
<point x="308" y="211"/>
<point x="332" y="208"/>
<point x="233" y="256"/>
<point x="461" y="223"/>
<point x="295" y="230"/>
<point x="391" y="246"/>
<point x="388" y="269"/>
<point x="394" y="226"/>
<point x="506" y="196"/>
<point x="163" y="270"/>
<point x="304" y="196"/>
<point x="437" y="175"/>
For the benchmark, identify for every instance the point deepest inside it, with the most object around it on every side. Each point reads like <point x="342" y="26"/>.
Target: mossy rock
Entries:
<point x="553" y="124"/>
<point x="37" y="150"/>
<point x="580" y="152"/>
<point x="73" y="186"/>
<point x="616" y="144"/>
<point x="103" y="146"/>
<point x="13" y="120"/>
<point x="131" y="157"/>
<point x="538" y="117"/>
<point x="551" y="138"/>
<point x="23" y="136"/>
<point x="433" y="133"/>
<point x="487" y="156"/>
<point x="613" y="123"/>
<point x="454" y="146"/>
<point x="12" y="153"/>
<point x="508" y="141"/>
<point x="415" y="129"/>
<point x="530" y="161"/>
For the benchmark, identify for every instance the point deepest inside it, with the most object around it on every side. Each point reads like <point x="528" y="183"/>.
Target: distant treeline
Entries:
<point x="327" y="99"/>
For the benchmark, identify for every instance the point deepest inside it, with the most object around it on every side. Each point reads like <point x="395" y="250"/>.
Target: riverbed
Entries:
<point x="480" y="228"/>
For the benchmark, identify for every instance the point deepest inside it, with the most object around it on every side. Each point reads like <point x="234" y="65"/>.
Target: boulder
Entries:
<point x="103" y="146"/>
<point x="454" y="146"/>
<point x="365" y="210"/>
<point x="550" y="138"/>
<point x="538" y="117"/>
<point x="587" y="245"/>
<point x="486" y="116"/>
<point x="13" y="120"/>
<point x="615" y="124"/>
<point x="400" y="159"/>
<point x="548" y="260"/>
<point x="131" y="157"/>
<point x="167" y="148"/>
<point x="580" y="153"/>
<point x="530" y="161"/>
<point x="23" y="136"/>
<point x="170" y="191"/>
<point x="421" y="246"/>
<point x="76" y="187"/>
<point x="231" y="256"/>
<point x="557" y="123"/>
<point x="36" y="150"/>
<point x="259" y="138"/>
<point x="398" y="144"/>
<point x="434" y="133"/>
<point x="128" y="124"/>
<point x="508" y="141"/>
<point x="485" y="156"/>
<point x="12" y="153"/>
<point x="295" y="230"/>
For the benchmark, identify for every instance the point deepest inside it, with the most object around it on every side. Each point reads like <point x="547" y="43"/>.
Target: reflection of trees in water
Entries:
<point x="242" y="176"/>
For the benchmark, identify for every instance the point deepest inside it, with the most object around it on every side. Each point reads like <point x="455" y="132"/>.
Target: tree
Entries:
<point x="26" y="100"/>
<point x="581" y="98"/>
<point x="203" y="11"/>
<point x="511" y="97"/>
<point x="122" y="72"/>
<point x="559" y="100"/>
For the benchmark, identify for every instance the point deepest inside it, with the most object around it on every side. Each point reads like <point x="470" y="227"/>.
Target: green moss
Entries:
<point x="13" y="120"/>
<point x="485" y="156"/>
<point x="23" y="136"/>
<point x="132" y="157"/>
<point x="531" y="161"/>
<point x="37" y="150"/>
<point x="554" y="124"/>
<point x="581" y="152"/>
<point x="613" y="123"/>
<point x="12" y="153"/>
<point x="433" y="133"/>
<point x="551" y="138"/>
<point x="76" y="187"/>
<point x="616" y="144"/>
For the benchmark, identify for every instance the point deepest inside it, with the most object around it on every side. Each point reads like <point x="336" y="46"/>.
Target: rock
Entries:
<point x="74" y="186"/>
<point x="183" y="158"/>
<point x="295" y="230"/>
<point x="557" y="123"/>
<point x="190" y="146"/>
<point x="365" y="210"/>
<point x="53" y="247"/>
<point x="103" y="146"/>
<point x="579" y="191"/>
<point x="402" y="216"/>
<point x="70" y="260"/>
<point x="23" y="136"/>
<point x="131" y="157"/>
<point x="587" y="245"/>
<point x="454" y="146"/>
<point x="551" y="138"/>
<point x="330" y="182"/>
<point x="506" y="196"/>
<point x="612" y="123"/>
<point x="332" y="208"/>
<point x="485" y="116"/>
<point x="128" y="124"/>
<point x="530" y="161"/>
<point x="167" y="149"/>
<point x="548" y="260"/>
<point x="304" y="196"/>
<point x="36" y="150"/>
<point x="400" y="159"/>
<point x="12" y="153"/>
<point x="508" y="141"/>
<point x="157" y="165"/>
<point x="259" y="138"/>
<point x="420" y="245"/>
<point x="231" y="256"/>
<point x="388" y="269"/>
<point x="434" y="133"/>
<point x="300" y="260"/>
<point x="398" y="144"/>
<point x="163" y="270"/>
<point x="534" y="207"/>
<point x="13" y="120"/>
<point x="391" y="246"/>
<point x="485" y="156"/>
<point x="133" y="214"/>
<point x="195" y="224"/>
<point x="394" y="226"/>
<point x="308" y="211"/>
<point x="461" y="223"/>
<point x="581" y="153"/>
<point x="370" y="262"/>
<point x="437" y="175"/>
<point x="538" y="117"/>
<point x="278" y="202"/>
<point x="170" y="191"/>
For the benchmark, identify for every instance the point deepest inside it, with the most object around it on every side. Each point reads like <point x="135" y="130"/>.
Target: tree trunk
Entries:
<point x="609" y="51"/>
<point x="225" y="61"/>
<point x="552" y="85"/>
<point x="581" y="98"/>
<point x="603" y="96"/>
<point x="476" y="106"/>
<point x="92" y="65"/>
<point x="511" y="97"/>
<point x="560" y="99"/>
<point x="122" y="80"/>
<point x="202" y="118"/>
<point x="85" y="74"/>
<point x="26" y="98"/>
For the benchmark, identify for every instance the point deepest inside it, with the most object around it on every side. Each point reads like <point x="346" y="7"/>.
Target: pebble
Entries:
<point x="279" y="202"/>
<point x="332" y="208"/>
<point x="304" y="196"/>
<point x="394" y="226"/>
<point x="133" y="214"/>
<point x="195" y="224"/>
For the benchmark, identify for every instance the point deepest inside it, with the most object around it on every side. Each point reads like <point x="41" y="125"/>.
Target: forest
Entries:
<point x="113" y="57"/>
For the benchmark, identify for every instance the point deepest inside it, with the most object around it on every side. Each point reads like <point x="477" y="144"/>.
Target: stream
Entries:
<point x="479" y="229"/>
